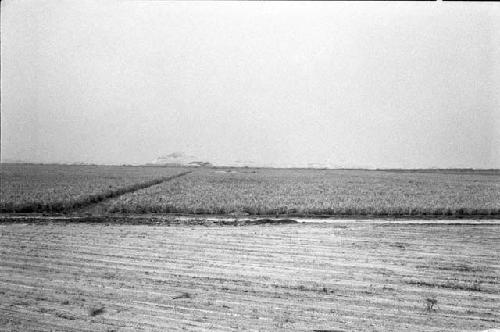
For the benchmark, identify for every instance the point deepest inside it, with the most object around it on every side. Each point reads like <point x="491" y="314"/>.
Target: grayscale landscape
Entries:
<point x="318" y="166"/>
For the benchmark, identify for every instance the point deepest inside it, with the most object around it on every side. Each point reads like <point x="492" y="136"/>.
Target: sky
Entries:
<point x="338" y="84"/>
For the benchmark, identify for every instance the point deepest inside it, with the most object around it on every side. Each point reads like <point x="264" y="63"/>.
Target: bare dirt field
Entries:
<point x="344" y="276"/>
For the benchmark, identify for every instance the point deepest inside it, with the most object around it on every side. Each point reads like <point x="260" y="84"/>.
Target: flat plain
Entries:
<point x="345" y="276"/>
<point x="306" y="192"/>
<point x="27" y="188"/>
<point x="249" y="191"/>
<point x="111" y="253"/>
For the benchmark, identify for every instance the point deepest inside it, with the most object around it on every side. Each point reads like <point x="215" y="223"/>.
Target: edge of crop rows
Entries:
<point x="61" y="206"/>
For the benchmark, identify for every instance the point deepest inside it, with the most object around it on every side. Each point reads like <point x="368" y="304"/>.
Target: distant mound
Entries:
<point x="179" y="159"/>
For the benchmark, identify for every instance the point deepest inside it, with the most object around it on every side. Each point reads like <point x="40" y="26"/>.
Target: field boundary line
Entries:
<point x="92" y="199"/>
<point x="222" y="220"/>
<point x="124" y="190"/>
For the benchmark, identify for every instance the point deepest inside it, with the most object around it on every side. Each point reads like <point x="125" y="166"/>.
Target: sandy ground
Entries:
<point x="344" y="276"/>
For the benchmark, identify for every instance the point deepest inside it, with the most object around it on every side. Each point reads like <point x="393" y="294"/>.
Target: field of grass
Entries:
<point x="347" y="276"/>
<point x="62" y="188"/>
<point x="247" y="191"/>
<point x="318" y="192"/>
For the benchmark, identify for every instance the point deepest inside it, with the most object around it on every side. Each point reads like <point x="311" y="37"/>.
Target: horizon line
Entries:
<point x="250" y="166"/>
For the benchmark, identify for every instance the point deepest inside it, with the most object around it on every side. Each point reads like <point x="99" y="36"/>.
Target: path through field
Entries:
<point x="345" y="276"/>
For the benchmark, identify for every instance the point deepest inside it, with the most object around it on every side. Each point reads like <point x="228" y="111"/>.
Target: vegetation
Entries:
<point x="431" y="302"/>
<point x="319" y="192"/>
<point x="61" y="188"/>
<point x="247" y="191"/>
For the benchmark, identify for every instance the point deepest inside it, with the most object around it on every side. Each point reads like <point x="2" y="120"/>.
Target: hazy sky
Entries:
<point x="279" y="83"/>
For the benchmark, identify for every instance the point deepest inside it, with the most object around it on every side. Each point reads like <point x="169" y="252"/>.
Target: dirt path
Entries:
<point x="344" y="276"/>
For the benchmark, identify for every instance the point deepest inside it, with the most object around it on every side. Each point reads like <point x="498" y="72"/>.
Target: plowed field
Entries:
<point x="346" y="276"/>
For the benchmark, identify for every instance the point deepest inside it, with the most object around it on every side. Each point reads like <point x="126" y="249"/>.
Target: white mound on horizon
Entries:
<point x="179" y="158"/>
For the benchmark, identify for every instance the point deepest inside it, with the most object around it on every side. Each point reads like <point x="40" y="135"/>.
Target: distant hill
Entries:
<point x="178" y="159"/>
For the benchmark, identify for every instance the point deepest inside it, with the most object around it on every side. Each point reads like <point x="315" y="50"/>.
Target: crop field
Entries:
<point x="346" y="276"/>
<point x="318" y="192"/>
<point x="61" y="188"/>
<point x="247" y="191"/>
